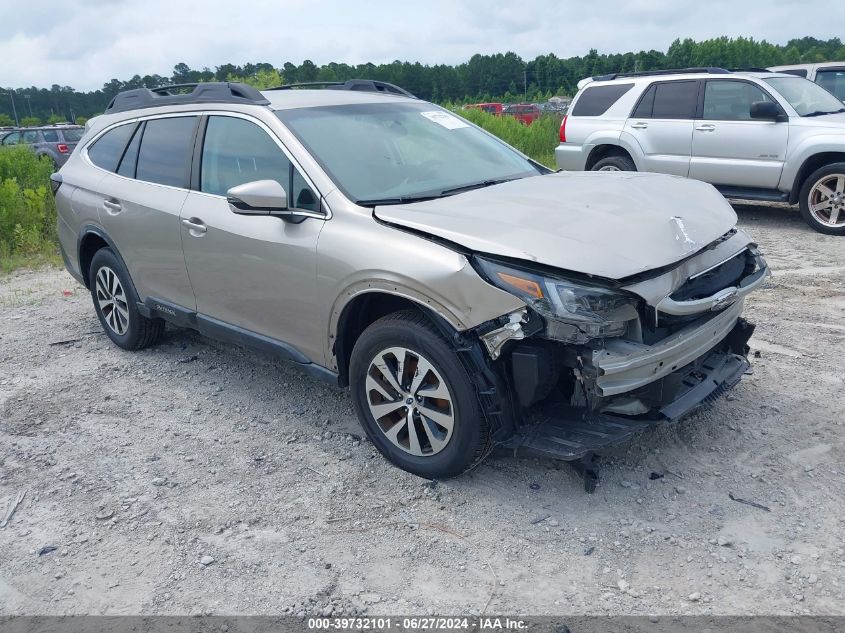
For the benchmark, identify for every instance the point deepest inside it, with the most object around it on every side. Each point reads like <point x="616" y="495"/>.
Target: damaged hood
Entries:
<point x="608" y="224"/>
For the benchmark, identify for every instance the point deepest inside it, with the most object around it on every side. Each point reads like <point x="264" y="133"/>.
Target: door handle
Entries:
<point x="195" y="226"/>
<point x="112" y="207"/>
<point x="706" y="127"/>
<point x="639" y="125"/>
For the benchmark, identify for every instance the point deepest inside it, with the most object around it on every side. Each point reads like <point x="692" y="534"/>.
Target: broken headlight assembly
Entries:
<point x="574" y="312"/>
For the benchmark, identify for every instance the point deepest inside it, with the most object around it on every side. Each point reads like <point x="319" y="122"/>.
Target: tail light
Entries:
<point x="563" y="129"/>
<point x="63" y="149"/>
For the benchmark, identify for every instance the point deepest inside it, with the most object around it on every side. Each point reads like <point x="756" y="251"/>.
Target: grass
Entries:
<point x="537" y="140"/>
<point x="27" y="210"/>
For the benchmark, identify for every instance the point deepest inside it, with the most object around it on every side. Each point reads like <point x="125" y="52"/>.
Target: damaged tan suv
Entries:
<point x="467" y="296"/>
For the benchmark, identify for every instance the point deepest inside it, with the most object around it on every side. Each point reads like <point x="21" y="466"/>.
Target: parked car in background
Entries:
<point x="525" y="113"/>
<point x="54" y="141"/>
<point x="829" y="75"/>
<point x="754" y="135"/>
<point x="491" y="108"/>
<point x="463" y="292"/>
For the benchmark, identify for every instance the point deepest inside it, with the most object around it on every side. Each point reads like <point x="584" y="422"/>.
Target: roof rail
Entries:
<point x="751" y="69"/>
<point x="208" y="92"/>
<point x="712" y="70"/>
<point x="361" y="85"/>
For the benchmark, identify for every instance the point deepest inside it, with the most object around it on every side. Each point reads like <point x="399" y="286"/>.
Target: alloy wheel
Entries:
<point x="410" y="401"/>
<point x="111" y="299"/>
<point x="609" y="168"/>
<point x="827" y="200"/>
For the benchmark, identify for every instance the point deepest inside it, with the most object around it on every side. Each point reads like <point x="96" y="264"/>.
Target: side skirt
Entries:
<point x="228" y="333"/>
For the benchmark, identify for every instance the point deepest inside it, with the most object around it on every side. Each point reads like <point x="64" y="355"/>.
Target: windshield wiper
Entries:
<point x="474" y="185"/>
<point x="822" y="112"/>
<point x="374" y="202"/>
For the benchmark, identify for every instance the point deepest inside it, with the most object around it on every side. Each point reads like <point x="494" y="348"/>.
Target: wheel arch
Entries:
<point x="605" y="150"/>
<point x="364" y="307"/>
<point x="91" y="239"/>
<point x="811" y="164"/>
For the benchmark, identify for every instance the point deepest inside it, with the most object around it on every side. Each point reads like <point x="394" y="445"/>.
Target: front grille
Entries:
<point x="725" y="275"/>
<point x="728" y="273"/>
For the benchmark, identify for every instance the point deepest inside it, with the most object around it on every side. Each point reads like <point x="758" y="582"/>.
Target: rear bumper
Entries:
<point x="571" y="157"/>
<point x="560" y="431"/>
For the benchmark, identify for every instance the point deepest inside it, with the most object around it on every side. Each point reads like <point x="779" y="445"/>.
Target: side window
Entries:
<point x="165" y="153"/>
<point x="832" y="81"/>
<point x="643" y="109"/>
<point x="107" y="150"/>
<point x="730" y="100"/>
<point x="30" y="136"/>
<point x="597" y="100"/>
<point x="236" y="151"/>
<point x="50" y="136"/>
<point x="130" y="156"/>
<point x="675" y="100"/>
<point x="12" y="139"/>
<point x="798" y="72"/>
<point x="304" y="197"/>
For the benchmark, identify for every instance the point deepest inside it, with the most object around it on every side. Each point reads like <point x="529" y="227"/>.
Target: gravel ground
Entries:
<point x="198" y="478"/>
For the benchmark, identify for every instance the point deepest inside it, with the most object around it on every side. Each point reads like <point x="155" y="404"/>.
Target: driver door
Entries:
<point x="254" y="272"/>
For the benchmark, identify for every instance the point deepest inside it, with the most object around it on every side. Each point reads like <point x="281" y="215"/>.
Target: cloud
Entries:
<point x="89" y="42"/>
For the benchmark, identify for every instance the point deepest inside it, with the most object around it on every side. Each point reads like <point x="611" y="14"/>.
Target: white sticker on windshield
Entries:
<point x="445" y="119"/>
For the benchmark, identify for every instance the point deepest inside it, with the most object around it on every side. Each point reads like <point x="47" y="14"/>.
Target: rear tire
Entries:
<point x="824" y="212"/>
<point x="432" y="382"/>
<point x="614" y="163"/>
<point x="116" y="304"/>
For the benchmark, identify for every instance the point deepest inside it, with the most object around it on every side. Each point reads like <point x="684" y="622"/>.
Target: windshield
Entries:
<point x="388" y="153"/>
<point x="807" y="98"/>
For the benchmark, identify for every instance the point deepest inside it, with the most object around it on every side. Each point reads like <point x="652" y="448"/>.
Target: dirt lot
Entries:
<point x="198" y="478"/>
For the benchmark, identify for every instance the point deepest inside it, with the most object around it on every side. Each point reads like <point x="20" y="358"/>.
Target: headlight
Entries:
<point x="574" y="312"/>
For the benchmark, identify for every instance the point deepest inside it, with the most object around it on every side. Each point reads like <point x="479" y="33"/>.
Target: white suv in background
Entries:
<point x="754" y="135"/>
<point x="829" y="75"/>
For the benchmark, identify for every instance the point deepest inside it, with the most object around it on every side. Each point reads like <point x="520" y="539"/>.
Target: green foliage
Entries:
<point x="55" y="118"/>
<point x="262" y="79"/>
<point x="6" y="120"/>
<point x="27" y="209"/>
<point x="30" y="121"/>
<point x="537" y="140"/>
<point x="81" y="120"/>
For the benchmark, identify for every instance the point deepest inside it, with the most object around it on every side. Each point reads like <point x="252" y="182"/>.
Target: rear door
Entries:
<point x="662" y="123"/>
<point x="142" y="196"/>
<point x="728" y="146"/>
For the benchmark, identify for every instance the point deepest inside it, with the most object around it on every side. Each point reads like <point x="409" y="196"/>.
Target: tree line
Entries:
<point x="502" y="76"/>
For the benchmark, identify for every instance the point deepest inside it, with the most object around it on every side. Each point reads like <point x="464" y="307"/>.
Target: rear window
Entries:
<point x="596" y="100"/>
<point x="73" y="136"/>
<point x="798" y="72"/>
<point x="51" y="136"/>
<point x="165" y="153"/>
<point x="107" y="150"/>
<point x="675" y="100"/>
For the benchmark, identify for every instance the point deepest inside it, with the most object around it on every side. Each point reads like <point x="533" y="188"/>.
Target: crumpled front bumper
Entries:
<point x="561" y="431"/>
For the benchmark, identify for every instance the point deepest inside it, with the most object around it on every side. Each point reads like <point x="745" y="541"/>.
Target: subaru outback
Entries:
<point x="467" y="296"/>
<point x="754" y="135"/>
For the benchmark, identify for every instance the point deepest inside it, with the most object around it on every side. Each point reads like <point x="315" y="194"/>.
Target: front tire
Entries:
<point x="116" y="304"/>
<point x="415" y="400"/>
<point x="614" y="163"/>
<point x="822" y="199"/>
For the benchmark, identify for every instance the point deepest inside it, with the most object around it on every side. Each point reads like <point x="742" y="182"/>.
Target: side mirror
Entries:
<point x="767" y="110"/>
<point x="259" y="197"/>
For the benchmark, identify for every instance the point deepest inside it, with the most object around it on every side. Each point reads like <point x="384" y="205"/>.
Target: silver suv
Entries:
<point x="467" y="296"/>
<point x="754" y="135"/>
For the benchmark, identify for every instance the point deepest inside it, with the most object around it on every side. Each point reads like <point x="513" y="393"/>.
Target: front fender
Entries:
<point x="803" y="151"/>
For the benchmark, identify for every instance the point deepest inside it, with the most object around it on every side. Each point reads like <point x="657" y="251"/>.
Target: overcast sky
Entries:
<point x="85" y="43"/>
